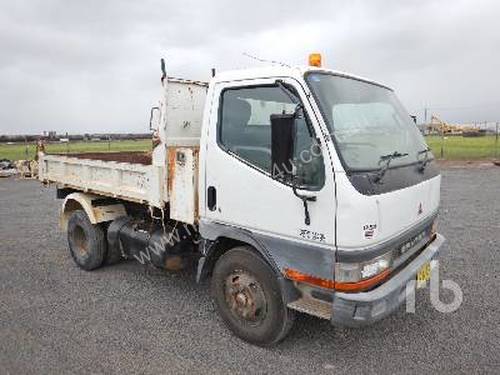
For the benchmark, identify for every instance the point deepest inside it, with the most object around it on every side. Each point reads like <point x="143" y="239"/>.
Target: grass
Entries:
<point x="454" y="147"/>
<point x="464" y="148"/>
<point x="22" y="151"/>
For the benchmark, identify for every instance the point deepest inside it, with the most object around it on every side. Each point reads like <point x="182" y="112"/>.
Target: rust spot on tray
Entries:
<point x="172" y="152"/>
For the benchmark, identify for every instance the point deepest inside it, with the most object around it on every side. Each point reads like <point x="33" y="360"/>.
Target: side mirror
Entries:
<point x="154" y="118"/>
<point x="283" y="131"/>
<point x="282" y="145"/>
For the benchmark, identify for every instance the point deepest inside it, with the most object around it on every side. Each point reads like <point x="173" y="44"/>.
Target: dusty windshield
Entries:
<point x="367" y="122"/>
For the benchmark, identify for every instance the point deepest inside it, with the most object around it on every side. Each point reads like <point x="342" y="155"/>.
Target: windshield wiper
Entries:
<point x="386" y="160"/>
<point x="426" y="160"/>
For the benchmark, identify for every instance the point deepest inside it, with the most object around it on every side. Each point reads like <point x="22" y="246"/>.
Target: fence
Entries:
<point x="480" y="141"/>
<point x="444" y="146"/>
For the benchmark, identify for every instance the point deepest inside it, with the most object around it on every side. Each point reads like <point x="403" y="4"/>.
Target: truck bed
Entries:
<point x="121" y="157"/>
<point x="166" y="176"/>
<point x="125" y="175"/>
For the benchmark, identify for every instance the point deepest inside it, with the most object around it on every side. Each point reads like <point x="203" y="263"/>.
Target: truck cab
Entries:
<point x="352" y="217"/>
<point x="298" y="188"/>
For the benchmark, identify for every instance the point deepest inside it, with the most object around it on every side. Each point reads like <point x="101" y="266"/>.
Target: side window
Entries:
<point x="245" y="130"/>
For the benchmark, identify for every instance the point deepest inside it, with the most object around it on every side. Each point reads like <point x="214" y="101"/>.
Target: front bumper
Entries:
<point x="359" y="309"/>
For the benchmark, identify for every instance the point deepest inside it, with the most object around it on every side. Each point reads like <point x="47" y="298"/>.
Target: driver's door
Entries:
<point x="239" y="188"/>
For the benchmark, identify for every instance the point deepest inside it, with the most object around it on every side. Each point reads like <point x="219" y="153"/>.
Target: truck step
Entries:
<point x="311" y="306"/>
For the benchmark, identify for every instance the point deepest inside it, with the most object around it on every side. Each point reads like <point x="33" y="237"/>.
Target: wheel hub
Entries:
<point x="241" y="299"/>
<point x="244" y="296"/>
<point x="80" y="240"/>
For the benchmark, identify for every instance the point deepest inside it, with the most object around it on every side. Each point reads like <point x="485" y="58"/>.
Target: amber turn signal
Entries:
<point x="359" y="286"/>
<point x="308" y="279"/>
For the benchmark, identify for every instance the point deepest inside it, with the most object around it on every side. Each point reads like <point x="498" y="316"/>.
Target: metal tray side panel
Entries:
<point x="183" y="183"/>
<point x="134" y="182"/>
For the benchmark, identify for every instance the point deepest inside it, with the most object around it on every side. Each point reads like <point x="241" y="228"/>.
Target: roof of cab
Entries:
<point x="282" y="71"/>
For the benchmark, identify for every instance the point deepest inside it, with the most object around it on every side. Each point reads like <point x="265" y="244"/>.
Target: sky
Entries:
<point x="93" y="66"/>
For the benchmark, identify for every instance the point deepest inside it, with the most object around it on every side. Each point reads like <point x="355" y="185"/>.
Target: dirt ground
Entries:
<point x="128" y="318"/>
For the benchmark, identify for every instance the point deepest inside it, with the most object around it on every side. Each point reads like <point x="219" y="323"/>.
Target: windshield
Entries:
<point x="367" y="122"/>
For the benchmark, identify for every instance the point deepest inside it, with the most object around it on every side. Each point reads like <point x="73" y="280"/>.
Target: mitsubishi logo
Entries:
<point x="420" y="209"/>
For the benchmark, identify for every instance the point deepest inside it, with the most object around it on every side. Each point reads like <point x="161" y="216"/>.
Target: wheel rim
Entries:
<point x="245" y="297"/>
<point x="80" y="240"/>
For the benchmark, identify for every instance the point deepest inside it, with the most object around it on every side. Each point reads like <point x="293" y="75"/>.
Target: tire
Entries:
<point x="249" y="299"/>
<point x="87" y="242"/>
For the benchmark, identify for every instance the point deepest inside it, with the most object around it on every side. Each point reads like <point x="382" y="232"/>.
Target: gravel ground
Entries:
<point x="56" y="318"/>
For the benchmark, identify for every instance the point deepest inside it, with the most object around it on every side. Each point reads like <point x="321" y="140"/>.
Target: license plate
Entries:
<point x="424" y="275"/>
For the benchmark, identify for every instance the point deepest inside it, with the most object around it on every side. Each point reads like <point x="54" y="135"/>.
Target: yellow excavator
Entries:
<point x="438" y="126"/>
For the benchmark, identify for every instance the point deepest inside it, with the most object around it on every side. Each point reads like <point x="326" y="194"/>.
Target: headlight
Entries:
<point x="355" y="272"/>
<point x="374" y="268"/>
<point x="349" y="277"/>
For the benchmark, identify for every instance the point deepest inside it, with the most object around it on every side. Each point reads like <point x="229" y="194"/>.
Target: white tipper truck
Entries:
<point x="290" y="188"/>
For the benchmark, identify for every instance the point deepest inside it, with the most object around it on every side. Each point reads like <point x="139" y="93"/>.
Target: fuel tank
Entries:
<point x="166" y="246"/>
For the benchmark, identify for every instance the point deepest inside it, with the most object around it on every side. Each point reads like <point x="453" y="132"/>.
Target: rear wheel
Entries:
<point x="249" y="299"/>
<point x="87" y="242"/>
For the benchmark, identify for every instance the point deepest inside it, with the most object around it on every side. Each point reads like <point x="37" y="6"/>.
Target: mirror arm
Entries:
<point x="287" y="91"/>
<point x="296" y="100"/>
<point x="305" y="199"/>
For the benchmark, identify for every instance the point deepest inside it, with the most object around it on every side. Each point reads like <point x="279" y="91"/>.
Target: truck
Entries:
<point x="289" y="189"/>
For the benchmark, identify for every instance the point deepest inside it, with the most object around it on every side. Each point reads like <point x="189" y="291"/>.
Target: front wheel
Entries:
<point x="249" y="299"/>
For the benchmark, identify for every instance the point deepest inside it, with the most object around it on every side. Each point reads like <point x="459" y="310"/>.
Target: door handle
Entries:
<point x="212" y="198"/>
